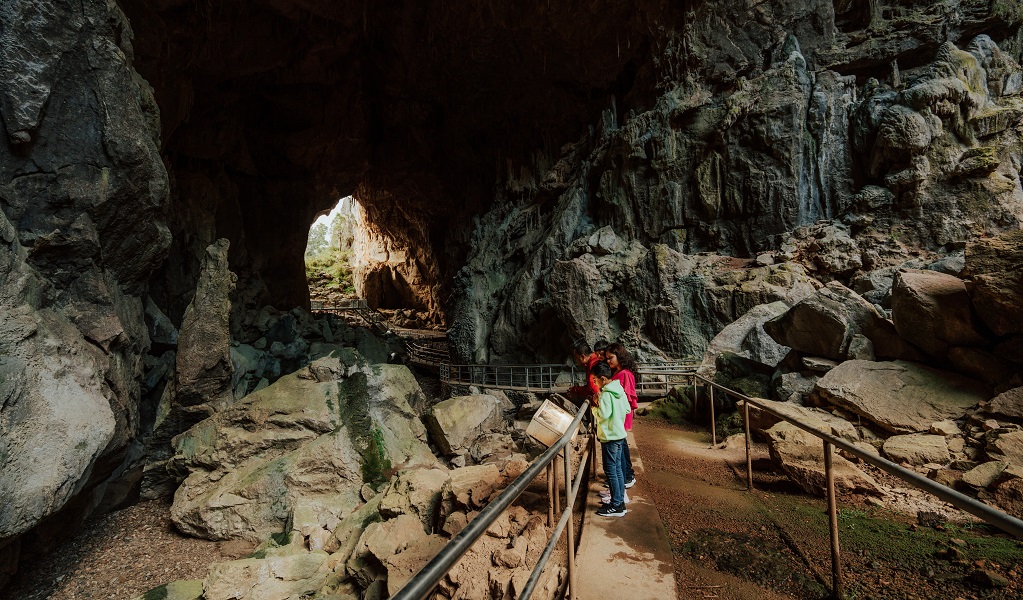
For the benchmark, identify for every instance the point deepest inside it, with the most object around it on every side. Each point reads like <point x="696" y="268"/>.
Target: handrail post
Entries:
<point x="550" y="494"/>
<point x="836" y="565"/>
<point x="557" y="492"/>
<point x="713" y="425"/>
<point x="569" y="506"/>
<point x="694" y="398"/>
<point x="749" y="459"/>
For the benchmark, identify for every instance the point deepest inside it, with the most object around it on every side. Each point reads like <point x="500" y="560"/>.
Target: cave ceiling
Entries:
<point x="273" y="110"/>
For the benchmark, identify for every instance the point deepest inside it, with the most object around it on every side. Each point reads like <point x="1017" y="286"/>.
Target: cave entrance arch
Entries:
<point x="349" y="256"/>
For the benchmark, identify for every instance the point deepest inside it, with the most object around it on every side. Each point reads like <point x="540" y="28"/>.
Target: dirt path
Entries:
<point x="120" y="556"/>
<point x="729" y="543"/>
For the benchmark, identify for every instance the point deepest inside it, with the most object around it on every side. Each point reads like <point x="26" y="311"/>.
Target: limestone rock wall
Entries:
<point x="83" y="193"/>
<point x="846" y="138"/>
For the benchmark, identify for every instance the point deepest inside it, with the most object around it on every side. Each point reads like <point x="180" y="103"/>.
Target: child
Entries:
<point x="609" y="413"/>
<point x="624" y="368"/>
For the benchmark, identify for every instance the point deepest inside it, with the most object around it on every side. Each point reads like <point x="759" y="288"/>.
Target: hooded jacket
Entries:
<point x="610" y="412"/>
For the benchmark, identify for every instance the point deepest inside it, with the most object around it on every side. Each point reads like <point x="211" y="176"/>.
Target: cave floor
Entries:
<point x="771" y="543"/>
<point x="120" y="555"/>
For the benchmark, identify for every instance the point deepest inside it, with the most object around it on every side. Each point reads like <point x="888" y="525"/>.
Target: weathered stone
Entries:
<point x="296" y="441"/>
<point x="899" y="396"/>
<point x="917" y="449"/>
<point x="821" y="420"/>
<point x="161" y="330"/>
<point x="1009" y="404"/>
<point x="1007" y="446"/>
<point x="284" y="574"/>
<point x="945" y="428"/>
<point x="454" y="423"/>
<point x="1009" y="496"/>
<point x="993" y="266"/>
<point x="818" y="364"/>
<point x="826" y="323"/>
<point x="932" y="311"/>
<point x="988" y="579"/>
<point x="497" y="448"/>
<point x="946" y="477"/>
<point x="415" y="492"/>
<point x="793" y="387"/>
<point x="204" y="344"/>
<point x="985" y="474"/>
<point x="746" y="338"/>
<point x="472" y="486"/>
<point x="981" y="364"/>
<point x="801" y="457"/>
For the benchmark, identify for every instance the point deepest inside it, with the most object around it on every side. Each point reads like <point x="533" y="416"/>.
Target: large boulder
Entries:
<point x="454" y="423"/>
<point x="993" y="266"/>
<point x="901" y="397"/>
<point x="746" y="337"/>
<point x="380" y="553"/>
<point x="801" y="457"/>
<point x="837" y="323"/>
<point x="298" y="442"/>
<point x="917" y="449"/>
<point x="286" y="573"/>
<point x="1006" y="446"/>
<point x="204" y="365"/>
<point x="415" y="492"/>
<point x="817" y="418"/>
<point x="1009" y="404"/>
<point x="932" y="311"/>
<point x="68" y="395"/>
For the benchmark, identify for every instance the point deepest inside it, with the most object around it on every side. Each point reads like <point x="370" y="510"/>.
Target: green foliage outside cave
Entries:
<point x="328" y="260"/>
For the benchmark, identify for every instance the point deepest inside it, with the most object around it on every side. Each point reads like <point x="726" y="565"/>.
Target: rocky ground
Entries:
<point x="119" y="556"/>
<point x="732" y="544"/>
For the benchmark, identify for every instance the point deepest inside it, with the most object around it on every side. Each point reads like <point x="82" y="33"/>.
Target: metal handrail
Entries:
<point x="566" y="519"/>
<point x="423" y="582"/>
<point x="992" y="516"/>
<point x="1003" y="521"/>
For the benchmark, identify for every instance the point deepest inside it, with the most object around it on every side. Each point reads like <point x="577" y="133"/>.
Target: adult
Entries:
<point x="586" y="358"/>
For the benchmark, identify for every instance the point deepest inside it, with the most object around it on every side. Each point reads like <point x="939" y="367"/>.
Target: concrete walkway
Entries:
<point x="627" y="557"/>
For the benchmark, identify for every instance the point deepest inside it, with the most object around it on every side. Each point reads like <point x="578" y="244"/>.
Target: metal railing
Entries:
<point x="423" y="583"/>
<point x="424" y="354"/>
<point x="988" y="514"/>
<point x="524" y="378"/>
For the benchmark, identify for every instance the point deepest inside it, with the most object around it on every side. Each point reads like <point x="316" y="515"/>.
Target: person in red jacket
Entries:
<point x="624" y="367"/>
<point x="585" y="358"/>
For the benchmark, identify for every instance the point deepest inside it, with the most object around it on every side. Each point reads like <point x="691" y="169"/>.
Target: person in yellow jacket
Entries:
<point x="609" y="413"/>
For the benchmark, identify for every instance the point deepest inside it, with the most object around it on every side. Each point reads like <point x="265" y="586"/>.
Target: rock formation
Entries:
<point x="503" y="155"/>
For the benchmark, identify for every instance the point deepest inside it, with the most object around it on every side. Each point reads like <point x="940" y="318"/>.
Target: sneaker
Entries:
<point x="630" y="482"/>
<point x="607" y="499"/>
<point x="612" y="511"/>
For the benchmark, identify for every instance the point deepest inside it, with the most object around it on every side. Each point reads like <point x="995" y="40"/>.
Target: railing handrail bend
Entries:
<point x="423" y="582"/>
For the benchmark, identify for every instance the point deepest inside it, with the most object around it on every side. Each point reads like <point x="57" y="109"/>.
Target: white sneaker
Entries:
<point x="630" y="483"/>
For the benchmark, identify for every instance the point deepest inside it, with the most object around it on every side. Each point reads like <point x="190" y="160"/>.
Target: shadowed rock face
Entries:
<point x="487" y="140"/>
<point x="271" y="111"/>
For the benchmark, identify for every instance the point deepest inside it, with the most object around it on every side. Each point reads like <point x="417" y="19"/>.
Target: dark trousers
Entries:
<point x="614" y="469"/>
